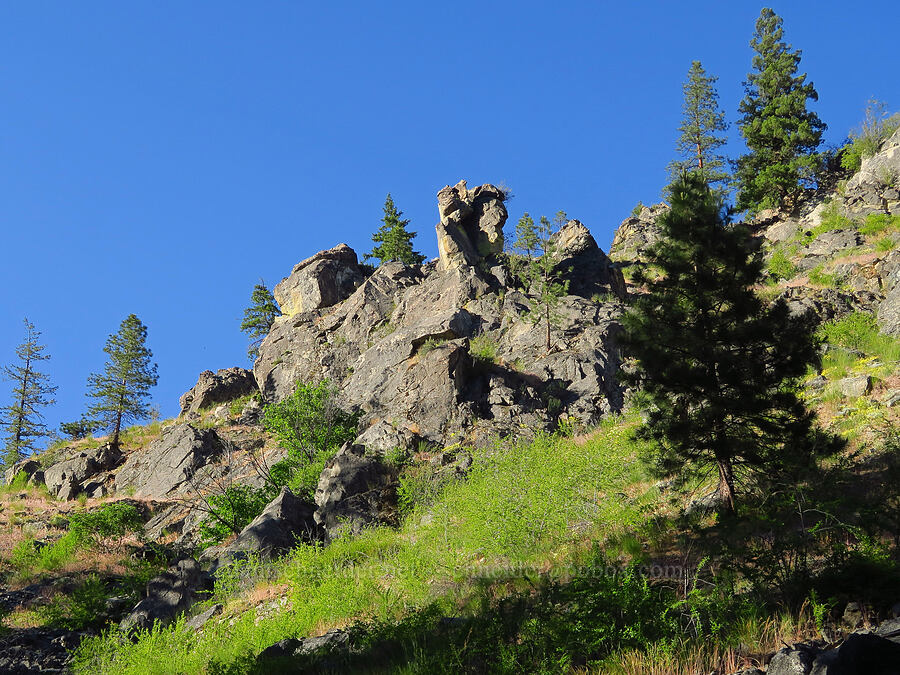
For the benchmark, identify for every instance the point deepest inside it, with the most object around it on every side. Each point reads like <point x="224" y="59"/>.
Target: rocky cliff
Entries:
<point x="447" y="351"/>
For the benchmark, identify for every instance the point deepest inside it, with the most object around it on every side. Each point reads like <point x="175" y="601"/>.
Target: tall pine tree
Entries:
<point x="259" y="317"/>
<point x="781" y="134"/>
<point x="392" y="240"/>
<point x="122" y="389"/>
<point x="702" y="130"/>
<point x="23" y="420"/>
<point x="714" y="363"/>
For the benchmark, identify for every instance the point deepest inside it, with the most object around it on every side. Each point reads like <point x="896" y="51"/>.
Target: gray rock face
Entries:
<point x="889" y="312"/>
<point x="448" y="348"/>
<point x="320" y="281"/>
<point x="829" y="243"/>
<point x="471" y="224"/>
<point x="354" y="491"/>
<point x="285" y="521"/>
<point x="854" y="387"/>
<point x="586" y="267"/>
<point x="222" y="386"/>
<point x="874" y="186"/>
<point x="167" y="596"/>
<point x="636" y="233"/>
<point x="164" y="468"/>
<point x="67" y="479"/>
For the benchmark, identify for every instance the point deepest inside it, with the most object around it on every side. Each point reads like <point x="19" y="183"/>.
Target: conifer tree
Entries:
<point x="392" y="240"/>
<point x="702" y="130"/>
<point x="539" y="272"/>
<point x="121" y="391"/>
<point x="32" y="390"/>
<point x="715" y="364"/>
<point x="781" y="134"/>
<point x="259" y="317"/>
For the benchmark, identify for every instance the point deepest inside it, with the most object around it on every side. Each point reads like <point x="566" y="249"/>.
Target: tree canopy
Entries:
<point x="259" y="317"/>
<point x="122" y="389"/>
<point x="392" y="240"/>
<point x="32" y="391"/>
<point x="715" y="363"/>
<point x="781" y="134"/>
<point x="701" y="131"/>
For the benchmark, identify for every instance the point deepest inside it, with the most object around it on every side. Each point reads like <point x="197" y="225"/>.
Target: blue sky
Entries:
<point x="160" y="158"/>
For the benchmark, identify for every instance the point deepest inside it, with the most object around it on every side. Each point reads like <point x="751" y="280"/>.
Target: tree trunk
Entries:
<point x="726" y="484"/>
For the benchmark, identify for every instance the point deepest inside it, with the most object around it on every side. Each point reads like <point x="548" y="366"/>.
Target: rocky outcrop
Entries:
<point x="83" y="473"/>
<point x="167" y="596"/>
<point x="222" y="386"/>
<point x="471" y="224"/>
<point x="636" y="234"/>
<point x="448" y="349"/>
<point x="876" y="186"/>
<point x="285" y="521"/>
<point x="587" y="269"/>
<point x="166" y="467"/>
<point x="320" y="281"/>
<point x="354" y="491"/>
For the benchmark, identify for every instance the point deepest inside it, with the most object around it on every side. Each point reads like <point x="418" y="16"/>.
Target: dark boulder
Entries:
<point x="168" y="595"/>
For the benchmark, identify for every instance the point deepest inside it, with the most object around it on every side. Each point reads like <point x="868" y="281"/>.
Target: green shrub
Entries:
<point x="83" y="608"/>
<point x="636" y="211"/>
<point x="780" y="266"/>
<point x="231" y="511"/>
<point x="483" y="349"/>
<point x="874" y="130"/>
<point x="312" y="428"/>
<point x="859" y="331"/>
<point x="112" y="520"/>
<point x="832" y="219"/>
<point x="885" y="244"/>
<point x="430" y="344"/>
<point x="818" y="277"/>
<point x="420" y="486"/>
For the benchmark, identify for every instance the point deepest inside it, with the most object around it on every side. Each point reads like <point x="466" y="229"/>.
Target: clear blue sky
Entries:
<point x="161" y="157"/>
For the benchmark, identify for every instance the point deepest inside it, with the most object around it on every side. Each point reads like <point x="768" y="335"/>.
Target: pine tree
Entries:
<point x="714" y="363"/>
<point x="123" y="387"/>
<point x="702" y="128"/>
<point x="259" y="317"/>
<point x="538" y="269"/>
<point x="392" y="240"/>
<point x="31" y="392"/>
<point x="781" y="134"/>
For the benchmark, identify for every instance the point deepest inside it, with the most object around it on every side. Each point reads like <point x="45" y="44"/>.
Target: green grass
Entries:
<point x="523" y="506"/>
<point x="879" y="223"/>
<point x="818" y="277"/>
<point x="780" y="266"/>
<point x="483" y="349"/>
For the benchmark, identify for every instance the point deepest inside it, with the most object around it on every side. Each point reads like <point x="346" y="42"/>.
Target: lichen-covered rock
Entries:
<point x="166" y="467"/>
<point x="320" y="281"/>
<point x="355" y="491"/>
<point x="222" y="386"/>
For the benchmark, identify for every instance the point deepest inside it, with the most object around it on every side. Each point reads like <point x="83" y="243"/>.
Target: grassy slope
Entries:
<point x="530" y="506"/>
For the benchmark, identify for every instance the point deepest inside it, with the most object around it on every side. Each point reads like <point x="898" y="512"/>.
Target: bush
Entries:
<point x="874" y="130"/>
<point x="311" y="428"/>
<point x="84" y="608"/>
<point x="780" y="267"/>
<point x="483" y="349"/>
<point x="113" y="520"/>
<point x="818" y="277"/>
<point x="231" y="511"/>
<point x="859" y="331"/>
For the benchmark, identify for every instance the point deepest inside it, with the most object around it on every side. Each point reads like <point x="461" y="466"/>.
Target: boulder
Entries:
<point x="888" y="316"/>
<point x="167" y="596"/>
<point x="586" y="268"/>
<point x="281" y="652"/>
<point x="165" y="467"/>
<point x="65" y="480"/>
<point x="320" y="281"/>
<point x="222" y="386"/>
<point x="782" y="230"/>
<point x="796" y="660"/>
<point x="286" y="520"/>
<point x="830" y="243"/>
<point x="853" y="387"/>
<point x="354" y="491"/>
<point x="471" y="224"/>
<point x="29" y="467"/>
<point x="860" y="654"/>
